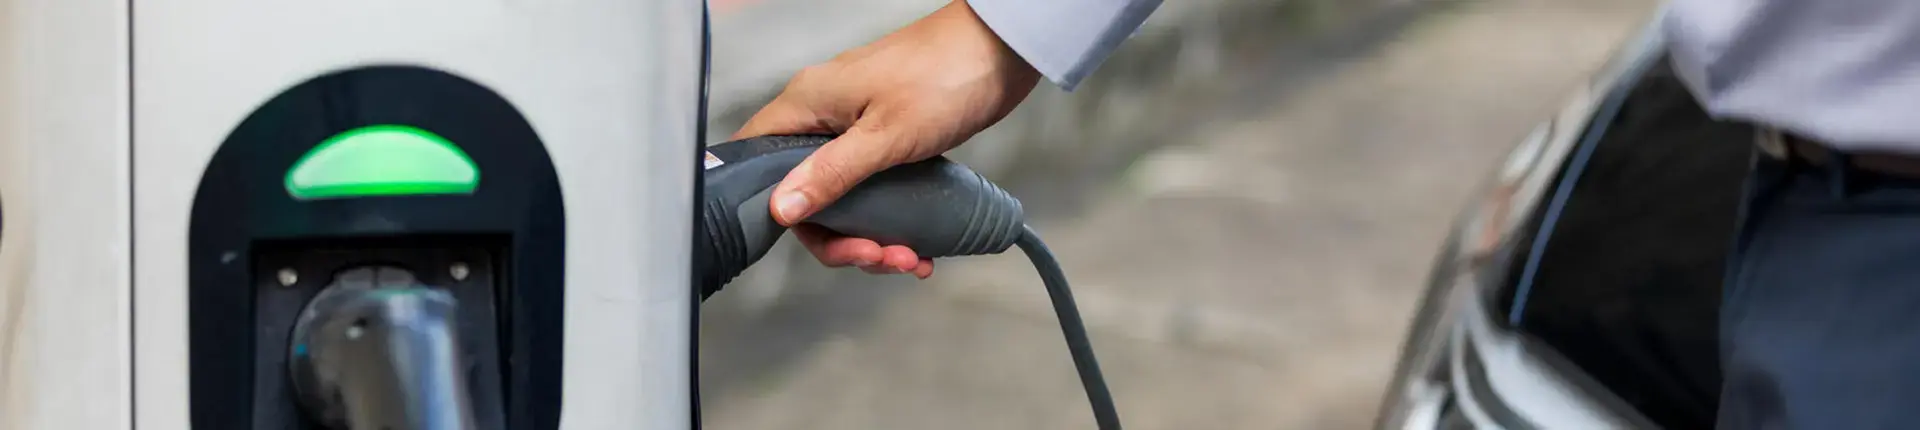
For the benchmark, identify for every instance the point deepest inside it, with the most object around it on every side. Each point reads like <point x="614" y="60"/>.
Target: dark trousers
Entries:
<point x="1820" y="327"/>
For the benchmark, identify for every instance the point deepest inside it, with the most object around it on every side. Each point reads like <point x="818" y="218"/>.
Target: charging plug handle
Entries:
<point x="937" y="207"/>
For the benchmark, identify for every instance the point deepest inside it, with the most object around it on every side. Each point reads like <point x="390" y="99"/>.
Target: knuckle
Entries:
<point x="836" y="174"/>
<point x="825" y="259"/>
<point x="892" y="145"/>
<point x="809" y="74"/>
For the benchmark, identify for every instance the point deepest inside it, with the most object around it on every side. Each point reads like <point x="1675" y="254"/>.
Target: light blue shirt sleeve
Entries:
<point x="1064" y="39"/>
<point x="1844" y="72"/>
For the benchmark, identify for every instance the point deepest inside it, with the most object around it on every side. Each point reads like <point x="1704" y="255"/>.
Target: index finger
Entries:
<point x="783" y="116"/>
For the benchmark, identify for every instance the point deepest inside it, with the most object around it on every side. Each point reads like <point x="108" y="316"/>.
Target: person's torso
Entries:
<point x="1845" y="72"/>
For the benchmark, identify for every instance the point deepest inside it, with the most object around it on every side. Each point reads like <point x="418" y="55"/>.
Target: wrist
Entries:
<point x="961" y="14"/>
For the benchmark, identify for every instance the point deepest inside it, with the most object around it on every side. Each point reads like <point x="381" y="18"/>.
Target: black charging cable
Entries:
<point x="1104" y="414"/>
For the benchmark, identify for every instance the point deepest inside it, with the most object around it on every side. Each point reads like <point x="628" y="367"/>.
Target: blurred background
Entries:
<point x="1247" y="198"/>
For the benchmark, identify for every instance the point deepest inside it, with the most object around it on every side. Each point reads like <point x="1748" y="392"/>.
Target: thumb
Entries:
<point x="832" y="171"/>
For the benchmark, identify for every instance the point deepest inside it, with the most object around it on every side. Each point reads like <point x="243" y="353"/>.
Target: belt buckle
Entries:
<point x="1773" y="143"/>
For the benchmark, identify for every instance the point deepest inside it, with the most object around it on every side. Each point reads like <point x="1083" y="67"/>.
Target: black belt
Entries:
<point x="1782" y="145"/>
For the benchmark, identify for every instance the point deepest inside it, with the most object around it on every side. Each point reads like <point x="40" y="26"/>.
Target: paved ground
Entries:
<point x="1258" y="277"/>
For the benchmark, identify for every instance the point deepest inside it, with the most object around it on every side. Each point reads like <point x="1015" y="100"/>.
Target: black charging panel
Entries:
<point x="242" y="208"/>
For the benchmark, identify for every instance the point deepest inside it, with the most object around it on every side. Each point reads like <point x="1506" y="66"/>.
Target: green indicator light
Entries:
<point x="382" y="160"/>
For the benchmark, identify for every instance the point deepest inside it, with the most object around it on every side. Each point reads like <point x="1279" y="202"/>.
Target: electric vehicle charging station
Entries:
<point x="367" y="214"/>
<point x="153" y="198"/>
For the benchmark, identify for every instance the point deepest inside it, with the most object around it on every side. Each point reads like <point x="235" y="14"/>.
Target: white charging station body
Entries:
<point x="110" y="111"/>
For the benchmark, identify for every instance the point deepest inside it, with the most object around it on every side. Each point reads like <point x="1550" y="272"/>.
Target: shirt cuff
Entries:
<point x="1064" y="39"/>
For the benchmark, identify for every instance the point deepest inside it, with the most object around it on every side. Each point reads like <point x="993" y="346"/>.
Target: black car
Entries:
<point x="1581" y="289"/>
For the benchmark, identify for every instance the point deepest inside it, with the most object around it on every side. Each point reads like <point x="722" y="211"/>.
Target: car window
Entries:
<point x="1627" y="282"/>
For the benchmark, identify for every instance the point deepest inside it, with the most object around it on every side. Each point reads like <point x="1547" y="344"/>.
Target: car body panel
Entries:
<point x="1581" y="289"/>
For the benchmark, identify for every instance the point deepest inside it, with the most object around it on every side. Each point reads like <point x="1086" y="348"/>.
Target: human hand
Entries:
<point x="909" y="96"/>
